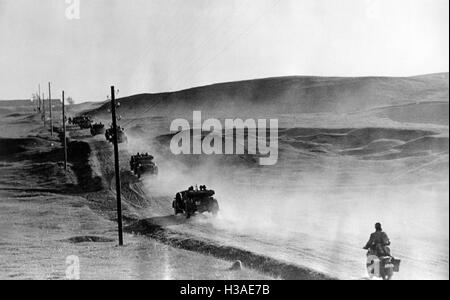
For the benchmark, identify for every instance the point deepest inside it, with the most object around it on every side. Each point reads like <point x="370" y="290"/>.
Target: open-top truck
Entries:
<point x="195" y="200"/>
<point x="121" y="137"/>
<point x="141" y="164"/>
<point x="97" y="128"/>
<point x="83" y="121"/>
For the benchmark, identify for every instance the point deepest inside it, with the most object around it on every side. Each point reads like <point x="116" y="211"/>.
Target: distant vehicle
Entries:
<point x="121" y="137"/>
<point x="141" y="164"/>
<point x="97" y="128"/>
<point x="84" y="121"/>
<point x="195" y="200"/>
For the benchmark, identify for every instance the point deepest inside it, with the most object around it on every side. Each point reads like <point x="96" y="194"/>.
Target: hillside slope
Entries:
<point x="290" y="95"/>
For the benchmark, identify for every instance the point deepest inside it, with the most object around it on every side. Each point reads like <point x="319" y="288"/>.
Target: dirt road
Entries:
<point x="47" y="216"/>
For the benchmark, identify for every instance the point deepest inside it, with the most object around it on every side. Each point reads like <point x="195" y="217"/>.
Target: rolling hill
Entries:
<point x="299" y="95"/>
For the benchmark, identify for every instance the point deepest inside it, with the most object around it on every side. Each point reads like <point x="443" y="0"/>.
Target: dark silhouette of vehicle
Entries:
<point x="84" y="121"/>
<point x="141" y="164"/>
<point x="195" y="200"/>
<point x="121" y="137"/>
<point x="97" y="128"/>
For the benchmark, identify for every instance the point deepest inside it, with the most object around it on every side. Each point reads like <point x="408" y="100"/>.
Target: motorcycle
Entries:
<point x="381" y="266"/>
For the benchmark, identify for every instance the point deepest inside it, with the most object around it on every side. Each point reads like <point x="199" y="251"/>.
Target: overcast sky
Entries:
<point x="165" y="45"/>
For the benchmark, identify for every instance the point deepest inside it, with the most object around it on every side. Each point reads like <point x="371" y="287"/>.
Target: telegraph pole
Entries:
<point x="43" y="106"/>
<point x="50" y="105"/>
<point x="116" y="165"/>
<point x="64" y="130"/>
<point x="39" y="97"/>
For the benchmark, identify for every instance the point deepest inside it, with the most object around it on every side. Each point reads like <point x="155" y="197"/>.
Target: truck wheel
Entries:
<point x="176" y="209"/>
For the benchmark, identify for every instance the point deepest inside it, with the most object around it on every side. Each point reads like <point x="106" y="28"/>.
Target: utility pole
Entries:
<point x="39" y="97"/>
<point x="116" y="165"/>
<point x="50" y="105"/>
<point x="43" y="106"/>
<point x="64" y="130"/>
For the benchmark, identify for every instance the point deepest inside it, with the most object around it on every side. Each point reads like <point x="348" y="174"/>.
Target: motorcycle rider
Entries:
<point x="379" y="242"/>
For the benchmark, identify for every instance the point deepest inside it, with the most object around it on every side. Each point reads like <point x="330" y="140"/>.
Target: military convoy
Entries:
<point x="97" y="128"/>
<point x="188" y="202"/>
<point x="86" y="122"/>
<point x="195" y="200"/>
<point x="141" y="164"/>
<point x="83" y="121"/>
<point x="121" y="137"/>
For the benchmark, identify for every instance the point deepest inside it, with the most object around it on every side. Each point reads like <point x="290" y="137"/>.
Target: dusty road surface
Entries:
<point x="47" y="216"/>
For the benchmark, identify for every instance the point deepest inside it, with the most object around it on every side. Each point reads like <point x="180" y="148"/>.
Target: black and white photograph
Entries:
<point x="224" y="145"/>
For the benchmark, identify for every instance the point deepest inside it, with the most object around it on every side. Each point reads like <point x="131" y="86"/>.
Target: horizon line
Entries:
<point x="244" y="80"/>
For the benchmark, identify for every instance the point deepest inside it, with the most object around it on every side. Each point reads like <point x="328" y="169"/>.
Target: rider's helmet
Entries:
<point x="378" y="227"/>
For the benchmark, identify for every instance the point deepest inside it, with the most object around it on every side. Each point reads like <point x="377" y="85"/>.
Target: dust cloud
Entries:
<point x="316" y="210"/>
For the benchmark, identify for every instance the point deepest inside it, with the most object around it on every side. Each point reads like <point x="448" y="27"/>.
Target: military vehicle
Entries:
<point x="381" y="266"/>
<point x="141" y="164"/>
<point x="195" y="200"/>
<point x="121" y="137"/>
<point x="97" y="128"/>
<point x="84" y="121"/>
